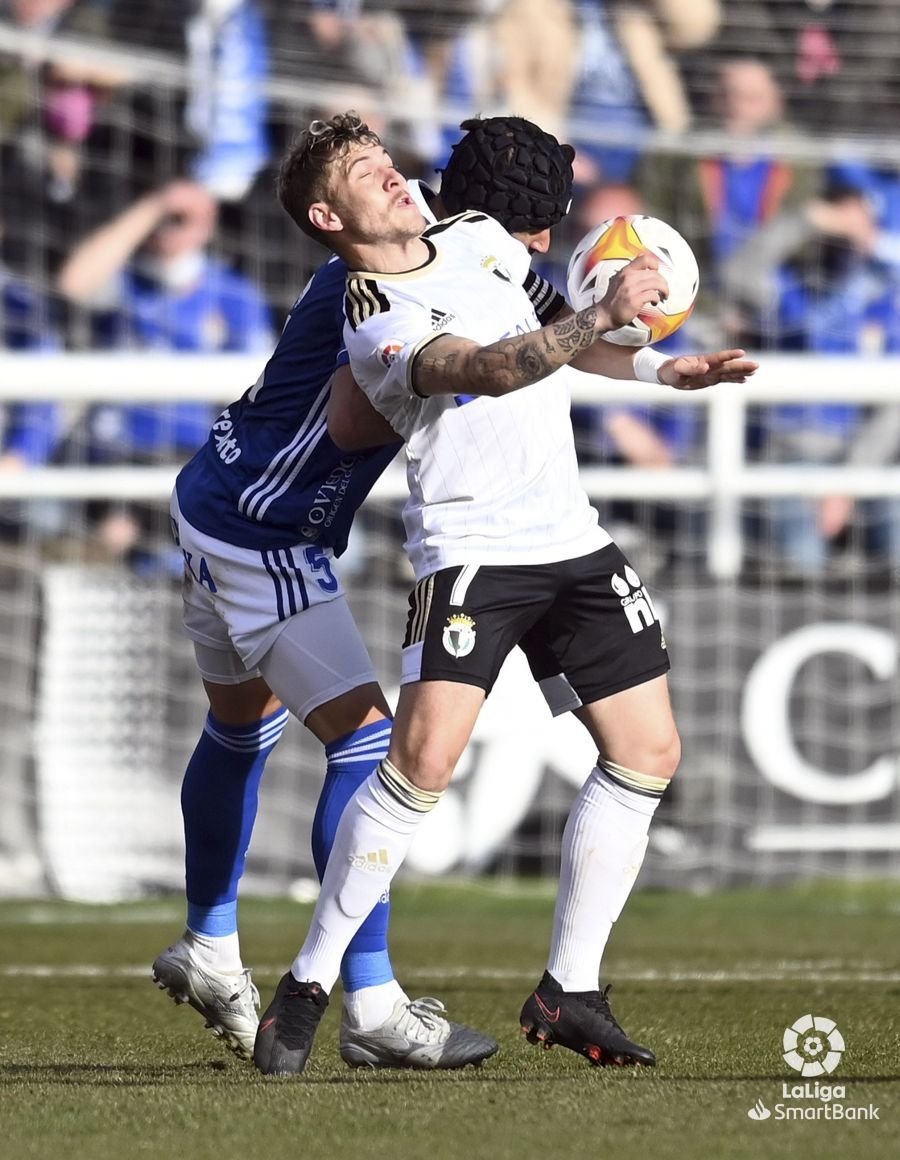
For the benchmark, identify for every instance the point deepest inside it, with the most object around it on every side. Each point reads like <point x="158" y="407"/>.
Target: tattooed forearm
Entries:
<point x="434" y="366"/>
<point x="532" y="363"/>
<point x="533" y="356"/>
<point x="527" y="359"/>
<point x="451" y="366"/>
<point x="578" y="332"/>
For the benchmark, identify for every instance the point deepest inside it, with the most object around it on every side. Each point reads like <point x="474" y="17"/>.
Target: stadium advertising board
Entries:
<point x="786" y="701"/>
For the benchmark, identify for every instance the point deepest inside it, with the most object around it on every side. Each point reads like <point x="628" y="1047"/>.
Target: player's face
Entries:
<point x="372" y="198"/>
<point x="534" y="241"/>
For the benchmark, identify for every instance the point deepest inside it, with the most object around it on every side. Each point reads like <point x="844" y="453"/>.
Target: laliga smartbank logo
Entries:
<point x="812" y="1046"/>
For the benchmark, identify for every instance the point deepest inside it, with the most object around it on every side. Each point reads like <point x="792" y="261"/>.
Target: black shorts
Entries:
<point x="587" y="626"/>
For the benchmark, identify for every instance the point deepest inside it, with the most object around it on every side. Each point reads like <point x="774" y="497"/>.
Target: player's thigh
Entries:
<point x="636" y="728"/>
<point x="319" y="658"/>
<point x="237" y="695"/>
<point x="285" y="614"/>
<point x="241" y="704"/>
<point x="432" y="727"/>
<point x="463" y="622"/>
<point x="247" y="596"/>
<point x="361" y="706"/>
<point x="600" y="637"/>
<point x="345" y="694"/>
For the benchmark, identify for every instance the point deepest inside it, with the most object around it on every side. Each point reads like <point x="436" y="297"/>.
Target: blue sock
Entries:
<point x="351" y="759"/>
<point x="219" y="799"/>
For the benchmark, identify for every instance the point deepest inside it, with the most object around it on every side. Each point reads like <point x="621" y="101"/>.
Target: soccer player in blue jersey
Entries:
<point x="260" y="513"/>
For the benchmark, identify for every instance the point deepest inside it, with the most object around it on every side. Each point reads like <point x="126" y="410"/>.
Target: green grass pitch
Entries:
<point x="97" y="1064"/>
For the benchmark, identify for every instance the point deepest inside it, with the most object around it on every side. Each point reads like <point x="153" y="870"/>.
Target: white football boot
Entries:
<point x="229" y="1003"/>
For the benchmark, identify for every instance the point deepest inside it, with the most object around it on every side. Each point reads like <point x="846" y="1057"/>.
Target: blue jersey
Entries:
<point x="269" y="475"/>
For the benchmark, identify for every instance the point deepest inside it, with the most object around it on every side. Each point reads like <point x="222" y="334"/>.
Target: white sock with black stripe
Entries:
<point x="603" y="847"/>
<point x="374" y="834"/>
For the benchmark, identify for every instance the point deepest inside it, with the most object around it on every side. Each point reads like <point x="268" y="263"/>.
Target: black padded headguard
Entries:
<point x="511" y="169"/>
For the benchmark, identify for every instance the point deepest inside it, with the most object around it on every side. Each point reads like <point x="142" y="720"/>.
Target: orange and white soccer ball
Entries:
<point x="603" y="251"/>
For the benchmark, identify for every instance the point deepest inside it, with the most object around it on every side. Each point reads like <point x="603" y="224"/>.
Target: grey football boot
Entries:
<point x="415" y="1035"/>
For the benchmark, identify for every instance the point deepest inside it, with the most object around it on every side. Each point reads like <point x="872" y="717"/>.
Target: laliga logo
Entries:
<point x="389" y="353"/>
<point x="813" y="1045"/>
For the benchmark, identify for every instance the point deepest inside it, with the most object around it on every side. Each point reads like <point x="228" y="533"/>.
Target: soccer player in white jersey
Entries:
<point x="444" y="339"/>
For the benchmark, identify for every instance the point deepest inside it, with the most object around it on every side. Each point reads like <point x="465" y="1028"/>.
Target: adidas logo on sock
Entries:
<point x="375" y="861"/>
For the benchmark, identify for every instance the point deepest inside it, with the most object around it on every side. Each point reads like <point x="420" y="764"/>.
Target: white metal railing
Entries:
<point x="726" y="479"/>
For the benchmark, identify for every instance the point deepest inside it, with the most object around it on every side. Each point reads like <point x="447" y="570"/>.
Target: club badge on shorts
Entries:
<point x="459" y="635"/>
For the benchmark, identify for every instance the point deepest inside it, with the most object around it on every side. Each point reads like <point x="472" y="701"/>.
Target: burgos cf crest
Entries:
<point x="459" y="635"/>
<point x="496" y="267"/>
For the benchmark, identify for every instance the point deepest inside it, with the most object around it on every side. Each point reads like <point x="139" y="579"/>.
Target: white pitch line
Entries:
<point x="804" y="975"/>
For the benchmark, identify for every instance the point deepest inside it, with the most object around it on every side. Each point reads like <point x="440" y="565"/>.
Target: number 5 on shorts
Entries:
<point x="319" y="562"/>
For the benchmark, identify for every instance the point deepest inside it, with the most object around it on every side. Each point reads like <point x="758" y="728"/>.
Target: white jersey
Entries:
<point x="491" y="480"/>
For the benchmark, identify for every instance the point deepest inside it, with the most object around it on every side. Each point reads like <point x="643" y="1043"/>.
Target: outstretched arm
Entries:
<point x="451" y="365"/>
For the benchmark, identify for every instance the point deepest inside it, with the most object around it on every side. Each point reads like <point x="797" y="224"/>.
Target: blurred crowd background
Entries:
<point x="138" y="141"/>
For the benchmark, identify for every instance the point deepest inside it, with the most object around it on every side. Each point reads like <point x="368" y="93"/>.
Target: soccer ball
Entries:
<point x="603" y="251"/>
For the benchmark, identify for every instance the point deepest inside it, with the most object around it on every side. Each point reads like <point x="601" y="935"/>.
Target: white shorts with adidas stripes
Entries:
<point x="238" y="602"/>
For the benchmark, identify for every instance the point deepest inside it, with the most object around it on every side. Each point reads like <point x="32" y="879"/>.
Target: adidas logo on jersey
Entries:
<point x="440" y="318"/>
<point x="635" y="599"/>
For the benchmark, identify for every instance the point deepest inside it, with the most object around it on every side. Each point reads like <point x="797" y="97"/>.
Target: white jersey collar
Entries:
<point x="423" y="195"/>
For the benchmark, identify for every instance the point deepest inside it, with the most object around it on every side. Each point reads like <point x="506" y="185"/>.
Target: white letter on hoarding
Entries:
<point x="765" y="716"/>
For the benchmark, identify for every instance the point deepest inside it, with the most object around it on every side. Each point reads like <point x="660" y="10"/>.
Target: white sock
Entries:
<point x="374" y="834"/>
<point x="220" y="953"/>
<point x="369" y="1007"/>
<point x="602" y="850"/>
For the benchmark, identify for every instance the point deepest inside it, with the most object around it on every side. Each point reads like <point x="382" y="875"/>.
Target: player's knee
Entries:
<point x="658" y="754"/>
<point x="428" y="765"/>
<point x="665" y="755"/>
